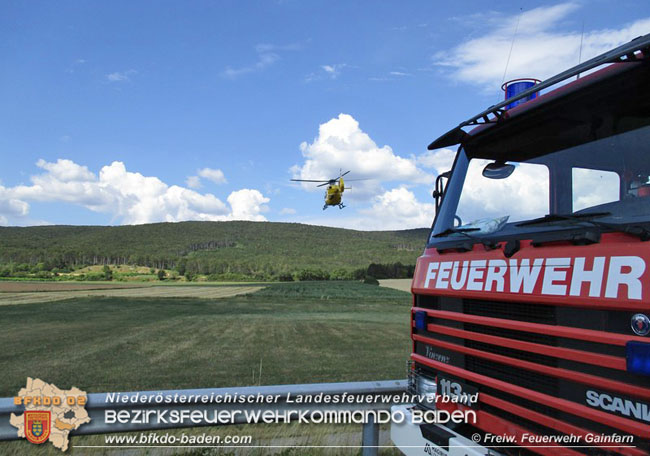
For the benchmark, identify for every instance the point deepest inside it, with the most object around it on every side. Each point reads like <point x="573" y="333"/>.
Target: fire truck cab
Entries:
<point x="531" y="301"/>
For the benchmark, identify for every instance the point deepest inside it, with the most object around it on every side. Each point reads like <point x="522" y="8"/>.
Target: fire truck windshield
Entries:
<point x="603" y="182"/>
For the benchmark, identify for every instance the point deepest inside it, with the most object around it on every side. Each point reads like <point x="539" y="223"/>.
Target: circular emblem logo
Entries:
<point x="640" y="325"/>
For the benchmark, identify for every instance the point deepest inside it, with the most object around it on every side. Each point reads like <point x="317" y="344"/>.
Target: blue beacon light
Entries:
<point x="637" y="355"/>
<point x="515" y="87"/>
<point x="421" y="319"/>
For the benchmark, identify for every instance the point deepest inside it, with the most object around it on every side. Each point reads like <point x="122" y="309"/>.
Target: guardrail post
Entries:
<point x="370" y="437"/>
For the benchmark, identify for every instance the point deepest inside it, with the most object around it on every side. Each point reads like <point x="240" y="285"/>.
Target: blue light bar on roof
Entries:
<point x="517" y="86"/>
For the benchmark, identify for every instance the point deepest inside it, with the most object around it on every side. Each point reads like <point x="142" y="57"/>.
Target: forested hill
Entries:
<point x="250" y="249"/>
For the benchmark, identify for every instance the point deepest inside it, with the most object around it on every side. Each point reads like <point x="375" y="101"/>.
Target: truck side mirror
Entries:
<point x="440" y="188"/>
<point x="498" y="170"/>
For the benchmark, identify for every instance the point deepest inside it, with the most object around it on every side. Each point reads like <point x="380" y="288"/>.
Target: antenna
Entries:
<point x="582" y="35"/>
<point x="521" y="11"/>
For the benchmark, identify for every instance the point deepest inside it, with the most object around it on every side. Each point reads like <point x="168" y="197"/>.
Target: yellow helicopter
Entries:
<point x="335" y="189"/>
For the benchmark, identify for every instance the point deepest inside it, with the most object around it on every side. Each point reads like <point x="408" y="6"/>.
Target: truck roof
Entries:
<point x="609" y="101"/>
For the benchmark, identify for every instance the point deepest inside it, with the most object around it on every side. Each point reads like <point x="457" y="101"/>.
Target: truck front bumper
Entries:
<point x="439" y="441"/>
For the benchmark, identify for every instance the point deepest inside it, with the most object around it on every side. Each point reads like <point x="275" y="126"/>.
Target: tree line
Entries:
<point x="191" y="270"/>
<point x="219" y="250"/>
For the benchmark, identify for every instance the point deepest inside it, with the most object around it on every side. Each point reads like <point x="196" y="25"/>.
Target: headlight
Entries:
<point x="426" y="389"/>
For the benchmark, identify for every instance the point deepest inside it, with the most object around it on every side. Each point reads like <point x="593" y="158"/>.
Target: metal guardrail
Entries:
<point x="98" y="403"/>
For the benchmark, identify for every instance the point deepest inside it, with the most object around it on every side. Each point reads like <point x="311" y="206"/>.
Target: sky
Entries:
<point x="127" y="112"/>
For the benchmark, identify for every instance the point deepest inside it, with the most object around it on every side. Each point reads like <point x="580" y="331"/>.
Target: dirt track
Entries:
<point x="18" y="287"/>
<point x="398" y="284"/>
<point x="208" y="292"/>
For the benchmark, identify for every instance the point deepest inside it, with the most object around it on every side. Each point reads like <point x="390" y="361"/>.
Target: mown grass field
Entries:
<point x="300" y="332"/>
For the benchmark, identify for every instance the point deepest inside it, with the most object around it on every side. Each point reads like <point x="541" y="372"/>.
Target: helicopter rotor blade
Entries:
<point x="324" y="182"/>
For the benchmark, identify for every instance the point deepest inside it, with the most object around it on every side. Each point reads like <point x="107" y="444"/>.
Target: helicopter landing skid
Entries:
<point x="325" y="207"/>
<point x="341" y="206"/>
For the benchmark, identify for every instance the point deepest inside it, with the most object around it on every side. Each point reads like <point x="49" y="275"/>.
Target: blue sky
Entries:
<point x="133" y="112"/>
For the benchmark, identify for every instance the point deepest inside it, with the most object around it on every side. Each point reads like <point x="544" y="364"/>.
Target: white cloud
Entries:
<point x="439" y="160"/>
<point x="247" y="204"/>
<point x="540" y="48"/>
<point x="66" y="170"/>
<point x="332" y="71"/>
<point x="193" y="182"/>
<point x="128" y="196"/>
<point x="11" y="206"/>
<point x="398" y="209"/>
<point x="65" y="181"/>
<point x="342" y="145"/>
<point x="121" y="76"/>
<point x="267" y="55"/>
<point x="263" y="61"/>
<point x="287" y="211"/>
<point x="391" y="76"/>
<point x="214" y="175"/>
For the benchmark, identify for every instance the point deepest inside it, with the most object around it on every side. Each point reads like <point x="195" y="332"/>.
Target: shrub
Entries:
<point x="91" y="276"/>
<point x="390" y="271"/>
<point x="108" y="272"/>
<point x="181" y="267"/>
<point x="341" y="274"/>
<point x="22" y="267"/>
<point x="370" y="280"/>
<point x="312" y="274"/>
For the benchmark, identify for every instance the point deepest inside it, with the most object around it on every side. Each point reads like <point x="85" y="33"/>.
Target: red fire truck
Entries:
<point x="531" y="302"/>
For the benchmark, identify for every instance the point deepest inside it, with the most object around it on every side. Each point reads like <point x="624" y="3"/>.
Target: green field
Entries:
<point x="301" y="332"/>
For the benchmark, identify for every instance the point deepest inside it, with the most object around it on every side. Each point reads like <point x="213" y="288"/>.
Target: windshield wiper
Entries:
<point x="635" y="230"/>
<point x="466" y="246"/>
<point x="456" y="230"/>
<point x="560" y="217"/>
